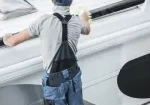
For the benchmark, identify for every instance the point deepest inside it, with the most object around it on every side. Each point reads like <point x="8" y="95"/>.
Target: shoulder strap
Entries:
<point x="67" y="18"/>
<point x="64" y="25"/>
<point x="58" y="16"/>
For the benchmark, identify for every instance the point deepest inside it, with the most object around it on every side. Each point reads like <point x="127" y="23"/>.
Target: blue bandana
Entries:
<point x="62" y="2"/>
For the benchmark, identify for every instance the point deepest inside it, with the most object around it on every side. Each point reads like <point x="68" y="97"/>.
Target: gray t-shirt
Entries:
<point x="49" y="28"/>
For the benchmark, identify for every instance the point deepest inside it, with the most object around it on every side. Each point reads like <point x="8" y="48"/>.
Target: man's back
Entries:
<point x="49" y="28"/>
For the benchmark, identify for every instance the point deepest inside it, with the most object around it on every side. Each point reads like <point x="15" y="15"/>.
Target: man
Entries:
<point x="49" y="28"/>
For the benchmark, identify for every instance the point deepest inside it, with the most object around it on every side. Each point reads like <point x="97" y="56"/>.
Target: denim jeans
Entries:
<point x="68" y="93"/>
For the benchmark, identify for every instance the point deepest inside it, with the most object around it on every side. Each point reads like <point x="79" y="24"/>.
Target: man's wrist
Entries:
<point x="86" y="23"/>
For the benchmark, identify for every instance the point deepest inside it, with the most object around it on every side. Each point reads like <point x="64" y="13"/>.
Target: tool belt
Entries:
<point x="55" y="79"/>
<point x="64" y="58"/>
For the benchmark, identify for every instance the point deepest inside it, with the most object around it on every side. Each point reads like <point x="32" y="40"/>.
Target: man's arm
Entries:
<point x="33" y="30"/>
<point x="13" y="40"/>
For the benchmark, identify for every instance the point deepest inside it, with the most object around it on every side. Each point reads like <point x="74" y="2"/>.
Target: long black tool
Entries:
<point x="1" y="41"/>
<point x="134" y="78"/>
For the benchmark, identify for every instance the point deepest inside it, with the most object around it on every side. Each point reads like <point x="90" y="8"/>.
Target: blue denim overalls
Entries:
<point x="63" y="86"/>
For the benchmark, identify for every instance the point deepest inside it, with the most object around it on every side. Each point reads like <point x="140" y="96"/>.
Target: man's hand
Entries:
<point x="85" y="16"/>
<point x="12" y="40"/>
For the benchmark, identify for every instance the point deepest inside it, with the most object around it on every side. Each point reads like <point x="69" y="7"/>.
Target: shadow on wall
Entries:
<point x="15" y="8"/>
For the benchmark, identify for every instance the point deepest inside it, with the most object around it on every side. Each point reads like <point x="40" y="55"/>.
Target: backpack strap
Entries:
<point x="58" y="16"/>
<point x="64" y="25"/>
<point x="64" y="22"/>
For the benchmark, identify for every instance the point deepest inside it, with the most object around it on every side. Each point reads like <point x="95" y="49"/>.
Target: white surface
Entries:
<point x="113" y="41"/>
<point x="45" y="7"/>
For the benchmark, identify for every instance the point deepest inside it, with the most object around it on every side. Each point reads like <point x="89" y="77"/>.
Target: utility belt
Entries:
<point x="55" y="79"/>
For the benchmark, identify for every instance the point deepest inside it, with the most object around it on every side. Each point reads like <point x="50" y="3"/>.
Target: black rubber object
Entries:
<point x="134" y="78"/>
